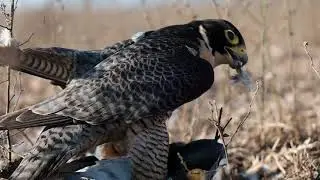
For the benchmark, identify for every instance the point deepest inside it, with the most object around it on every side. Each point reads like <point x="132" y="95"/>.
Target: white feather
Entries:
<point x="6" y="40"/>
<point x="137" y="36"/>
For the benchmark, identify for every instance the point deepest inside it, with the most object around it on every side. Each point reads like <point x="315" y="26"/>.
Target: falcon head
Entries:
<point x="223" y="41"/>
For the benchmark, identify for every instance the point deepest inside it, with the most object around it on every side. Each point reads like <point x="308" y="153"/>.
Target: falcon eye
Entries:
<point x="231" y="37"/>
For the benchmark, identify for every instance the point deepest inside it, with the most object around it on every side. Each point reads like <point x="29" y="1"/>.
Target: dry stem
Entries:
<point x="9" y="19"/>
<point x="292" y="63"/>
<point x="263" y="7"/>
<point x="220" y="129"/>
<point x="306" y="44"/>
<point x="26" y="41"/>
<point x="248" y="113"/>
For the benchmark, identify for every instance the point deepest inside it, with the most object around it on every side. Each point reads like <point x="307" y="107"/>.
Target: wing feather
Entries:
<point x="24" y="118"/>
<point x="117" y="88"/>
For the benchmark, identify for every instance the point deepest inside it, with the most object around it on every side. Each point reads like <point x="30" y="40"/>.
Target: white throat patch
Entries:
<point x="203" y="33"/>
<point x="205" y="48"/>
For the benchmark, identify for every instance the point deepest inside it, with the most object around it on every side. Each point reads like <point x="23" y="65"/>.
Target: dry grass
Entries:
<point x="282" y="132"/>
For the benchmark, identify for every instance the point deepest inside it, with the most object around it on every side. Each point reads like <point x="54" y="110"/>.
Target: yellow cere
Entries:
<point x="240" y="50"/>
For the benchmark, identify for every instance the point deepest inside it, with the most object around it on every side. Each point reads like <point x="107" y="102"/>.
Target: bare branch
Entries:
<point x="8" y="150"/>
<point x="16" y="5"/>
<point x="247" y="115"/>
<point x="24" y="135"/>
<point x="224" y="127"/>
<point x="12" y="16"/>
<point x="306" y="44"/>
<point x="3" y="81"/>
<point x="20" y="93"/>
<point x="26" y="41"/>
<point x="12" y="97"/>
<point x="8" y="109"/>
<point x="183" y="163"/>
<point x="219" y="122"/>
<point x="4" y="27"/>
<point x="219" y="132"/>
<point x="9" y="17"/>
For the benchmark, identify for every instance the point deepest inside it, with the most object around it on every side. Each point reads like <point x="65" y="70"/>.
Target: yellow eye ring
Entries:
<point x="231" y="37"/>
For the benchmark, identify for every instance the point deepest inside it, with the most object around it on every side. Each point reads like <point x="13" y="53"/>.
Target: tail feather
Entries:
<point x="44" y="63"/>
<point x="25" y="118"/>
<point x="10" y="119"/>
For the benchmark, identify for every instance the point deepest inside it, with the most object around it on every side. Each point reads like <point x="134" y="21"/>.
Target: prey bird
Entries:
<point x="132" y="91"/>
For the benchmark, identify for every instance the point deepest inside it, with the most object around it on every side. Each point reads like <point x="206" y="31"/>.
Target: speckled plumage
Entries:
<point x="60" y="65"/>
<point x="55" y="146"/>
<point x="129" y="89"/>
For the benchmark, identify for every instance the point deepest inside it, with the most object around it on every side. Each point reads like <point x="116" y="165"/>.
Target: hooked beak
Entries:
<point x="237" y="56"/>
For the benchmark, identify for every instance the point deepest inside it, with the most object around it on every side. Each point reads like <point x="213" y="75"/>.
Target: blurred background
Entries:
<point x="282" y="131"/>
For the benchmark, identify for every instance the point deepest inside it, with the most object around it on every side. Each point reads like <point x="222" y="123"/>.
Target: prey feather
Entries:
<point x="243" y="77"/>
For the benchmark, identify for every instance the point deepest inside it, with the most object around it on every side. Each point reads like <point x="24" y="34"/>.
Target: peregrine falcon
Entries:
<point x="133" y="90"/>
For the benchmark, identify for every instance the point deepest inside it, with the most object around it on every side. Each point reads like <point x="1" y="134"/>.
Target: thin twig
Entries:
<point x="216" y="109"/>
<point x="306" y="44"/>
<point x="247" y="115"/>
<point x="219" y="122"/>
<point x="263" y="8"/>
<point x="183" y="163"/>
<point x="3" y="81"/>
<point x="9" y="19"/>
<point x="8" y="110"/>
<point x="220" y="129"/>
<point x="12" y="17"/>
<point x="4" y="27"/>
<point x="24" y="135"/>
<point x="292" y="63"/>
<point x="224" y="127"/>
<point x="19" y="94"/>
<point x="8" y="150"/>
<point x="26" y="41"/>
<point x="16" y="5"/>
<point x="223" y="143"/>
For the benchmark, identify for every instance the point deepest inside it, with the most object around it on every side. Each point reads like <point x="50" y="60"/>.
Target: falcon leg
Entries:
<point x="149" y="153"/>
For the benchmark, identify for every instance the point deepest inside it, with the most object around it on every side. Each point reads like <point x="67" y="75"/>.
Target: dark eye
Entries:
<point x="231" y="37"/>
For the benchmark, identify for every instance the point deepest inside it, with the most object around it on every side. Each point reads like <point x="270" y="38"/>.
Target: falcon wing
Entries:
<point x="147" y="78"/>
<point x="56" y="64"/>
